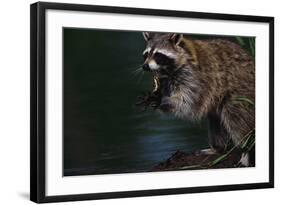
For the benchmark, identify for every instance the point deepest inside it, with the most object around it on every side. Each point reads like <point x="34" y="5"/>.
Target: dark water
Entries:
<point x="103" y="131"/>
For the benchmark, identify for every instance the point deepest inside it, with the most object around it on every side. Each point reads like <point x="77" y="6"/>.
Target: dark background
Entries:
<point x="103" y="131"/>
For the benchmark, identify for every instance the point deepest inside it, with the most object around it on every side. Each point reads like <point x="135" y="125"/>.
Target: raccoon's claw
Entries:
<point x="139" y="103"/>
<point x="142" y="102"/>
<point x="154" y="105"/>
<point x="143" y="99"/>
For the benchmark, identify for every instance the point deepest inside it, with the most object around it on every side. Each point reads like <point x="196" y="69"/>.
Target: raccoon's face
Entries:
<point x="162" y="53"/>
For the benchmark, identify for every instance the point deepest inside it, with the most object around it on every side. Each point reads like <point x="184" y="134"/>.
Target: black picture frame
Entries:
<point x="38" y="97"/>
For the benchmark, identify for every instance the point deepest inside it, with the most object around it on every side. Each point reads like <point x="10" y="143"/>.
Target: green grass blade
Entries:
<point x="240" y="41"/>
<point x="219" y="159"/>
<point x="245" y="99"/>
<point x="252" y="46"/>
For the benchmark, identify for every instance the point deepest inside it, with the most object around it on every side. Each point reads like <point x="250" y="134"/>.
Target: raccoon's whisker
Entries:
<point x="140" y="78"/>
<point x="134" y="68"/>
<point x="137" y="71"/>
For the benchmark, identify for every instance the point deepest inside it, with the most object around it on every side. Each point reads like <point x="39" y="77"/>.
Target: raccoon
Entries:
<point x="195" y="79"/>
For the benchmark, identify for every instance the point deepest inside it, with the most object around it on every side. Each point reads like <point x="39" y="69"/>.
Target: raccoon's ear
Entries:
<point x="146" y="35"/>
<point x="176" y="38"/>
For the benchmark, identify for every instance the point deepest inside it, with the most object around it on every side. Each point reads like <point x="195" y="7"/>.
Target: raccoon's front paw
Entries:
<point x="149" y="99"/>
<point x="166" y="107"/>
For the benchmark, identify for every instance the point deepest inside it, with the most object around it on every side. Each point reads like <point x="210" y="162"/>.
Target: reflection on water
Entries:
<point x="103" y="131"/>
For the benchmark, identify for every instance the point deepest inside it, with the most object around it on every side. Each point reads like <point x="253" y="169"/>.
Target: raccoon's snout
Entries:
<point x="145" y="67"/>
<point x="151" y="65"/>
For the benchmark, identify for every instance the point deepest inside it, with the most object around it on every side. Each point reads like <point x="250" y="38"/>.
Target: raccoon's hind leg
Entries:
<point x="217" y="134"/>
<point x="239" y="121"/>
<point x="218" y="137"/>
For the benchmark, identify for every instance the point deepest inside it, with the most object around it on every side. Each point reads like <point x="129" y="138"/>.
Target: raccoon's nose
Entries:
<point x="145" y="67"/>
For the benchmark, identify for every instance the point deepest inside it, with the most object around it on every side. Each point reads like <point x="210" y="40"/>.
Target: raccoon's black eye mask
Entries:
<point x="162" y="59"/>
